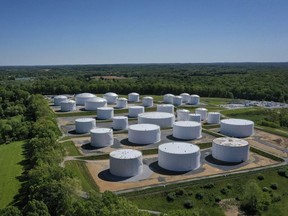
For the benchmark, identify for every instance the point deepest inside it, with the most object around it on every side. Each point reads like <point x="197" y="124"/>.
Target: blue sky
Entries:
<point x="37" y="32"/>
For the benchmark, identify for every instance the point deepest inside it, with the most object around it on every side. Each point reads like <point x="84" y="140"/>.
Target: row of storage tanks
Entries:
<point x="92" y="102"/>
<point x="178" y="156"/>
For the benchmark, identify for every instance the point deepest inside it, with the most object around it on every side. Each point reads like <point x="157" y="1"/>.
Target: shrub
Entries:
<point x="229" y="186"/>
<point x="209" y="185"/>
<point x="188" y="204"/>
<point x="180" y="192"/>
<point x="218" y="199"/>
<point x="171" y="197"/>
<point x="276" y="198"/>
<point x="224" y="191"/>
<point x="260" y="177"/>
<point x="265" y="189"/>
<point x="199" y="196"/>
<point x="274" y="186"/>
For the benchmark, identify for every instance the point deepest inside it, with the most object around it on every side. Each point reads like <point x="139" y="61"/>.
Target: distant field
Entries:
<point x="11" y="156"/>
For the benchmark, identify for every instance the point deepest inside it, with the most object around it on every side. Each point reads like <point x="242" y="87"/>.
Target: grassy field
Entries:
<point x="70" y="148"/>
<point x="223" y="188"/>
<point x="79" y="169"/>
<point x="11" y="156"/>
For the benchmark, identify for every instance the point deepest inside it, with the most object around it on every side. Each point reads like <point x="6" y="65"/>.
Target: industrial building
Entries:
<point x="126" y="163"/>
<point x="187" y="130"/>
<point x="179" y="156"/>
<point x="111" y="97"/>
<point x="83" y="97"/>
<point x="101" y="137"/>
<point x="105" y="113"/>
<point x="92" y="104"/>
<point x="163" y="119"/>
<point x="143" y="134"/>
<point x="68" y="105"/>
<point x="58" y="99"/>
<point x="237" y="127"/>
<point x="84" y="125"/>
<point x="230" y="149"/>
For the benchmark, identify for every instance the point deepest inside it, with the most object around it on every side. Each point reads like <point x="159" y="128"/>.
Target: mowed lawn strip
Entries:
<point x="11" y="156"/>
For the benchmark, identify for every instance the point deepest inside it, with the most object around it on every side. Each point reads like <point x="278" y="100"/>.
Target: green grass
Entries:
<point x="70" y="148"/>
<point x="80" y="170"/>
<point x="155" y="199"/>
<point x="11" y="156"/>
<point x="212" y="133"/>
<point x="73" y="114"/>
<point x="266" y="154"/>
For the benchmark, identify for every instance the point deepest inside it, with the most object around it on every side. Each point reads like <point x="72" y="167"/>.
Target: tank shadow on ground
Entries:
<point x="128" y="143"/>
<point x="73" y="132"/>
<point x="171" y="137"/>
<point x="157" y="169"/>
<point x="213" y="160"/>
<point x="107" y="176"/>
<point x="88" y="146"/>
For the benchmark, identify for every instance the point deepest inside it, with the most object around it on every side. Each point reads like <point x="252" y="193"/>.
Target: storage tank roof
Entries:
<point x="232" y="142"/>
<point x="214" y="113"/>
<point x="101" y="130"/>
<point x="84" y="120"/>
<point x="133" y="93"/>
<point x="183" y="110"/>
<point x="136" y="107"/>
<point x="148" y="97"/>
<point x="105" y="108"/>
<point x="194" y="95"/>
<point x="194" y="114"/>
<point x="179" y="148"/>
<point x="187" y="124"/>
<point x="68" y="101"/>
<point x="85" y="95"/>
<point x="185" y="94"/>
<point x="156" y="115"/>
<point x="122" y="99"/>
<point x="60" y="96"/>
<point x="144" y="127"/>
<point x="110" y="94"/>
<point x="204" y="109"/>
<point x="96" y="99"/>
<point x="120" y="117"/>
<point x="125" y="154"/>
<point x="237" y="121"/>
<point x="169" y="95"/>
<point x="165" y="105"/>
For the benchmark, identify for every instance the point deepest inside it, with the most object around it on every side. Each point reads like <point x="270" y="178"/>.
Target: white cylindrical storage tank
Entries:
<point x="81" y="98"/>
<point x="187" y="130"/>
<point x="183" y="114"/>
<point x="169" y="108"/>
<point x="143" y="134"/>
<point x="230" y="149"/>
<point x="177" y="100"/>
<point x="147" y="101"/>
<point x="185" y="97"/>
<point x="195" y="117"/>
<point x="126" y="162"/>
<point x="133" y="111"/>
<point x="168" y="98"/>
<point x="94" y="103"/>
<point x="179" y="156"/>
<point x="213" y="118"/>
<point x="163" y="119"/>
<point x="237" y="127"/>
<point x="68" y="105"/>
<point x="58" y="99"/>
<point x="203" y="112"/>
<point x="111" y="97"/>
<point x="101" y="137"/>
<point x="120" y="122"/>
<point x="84" y="125"/>
<point x="105" y="113"/>
<point x="194" y="99"/>
<point x="121" y="103"/>
<point x="133" y="97"/>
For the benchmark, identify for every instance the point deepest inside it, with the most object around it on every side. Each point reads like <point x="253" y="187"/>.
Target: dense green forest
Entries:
<point x="260" y="81"/>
